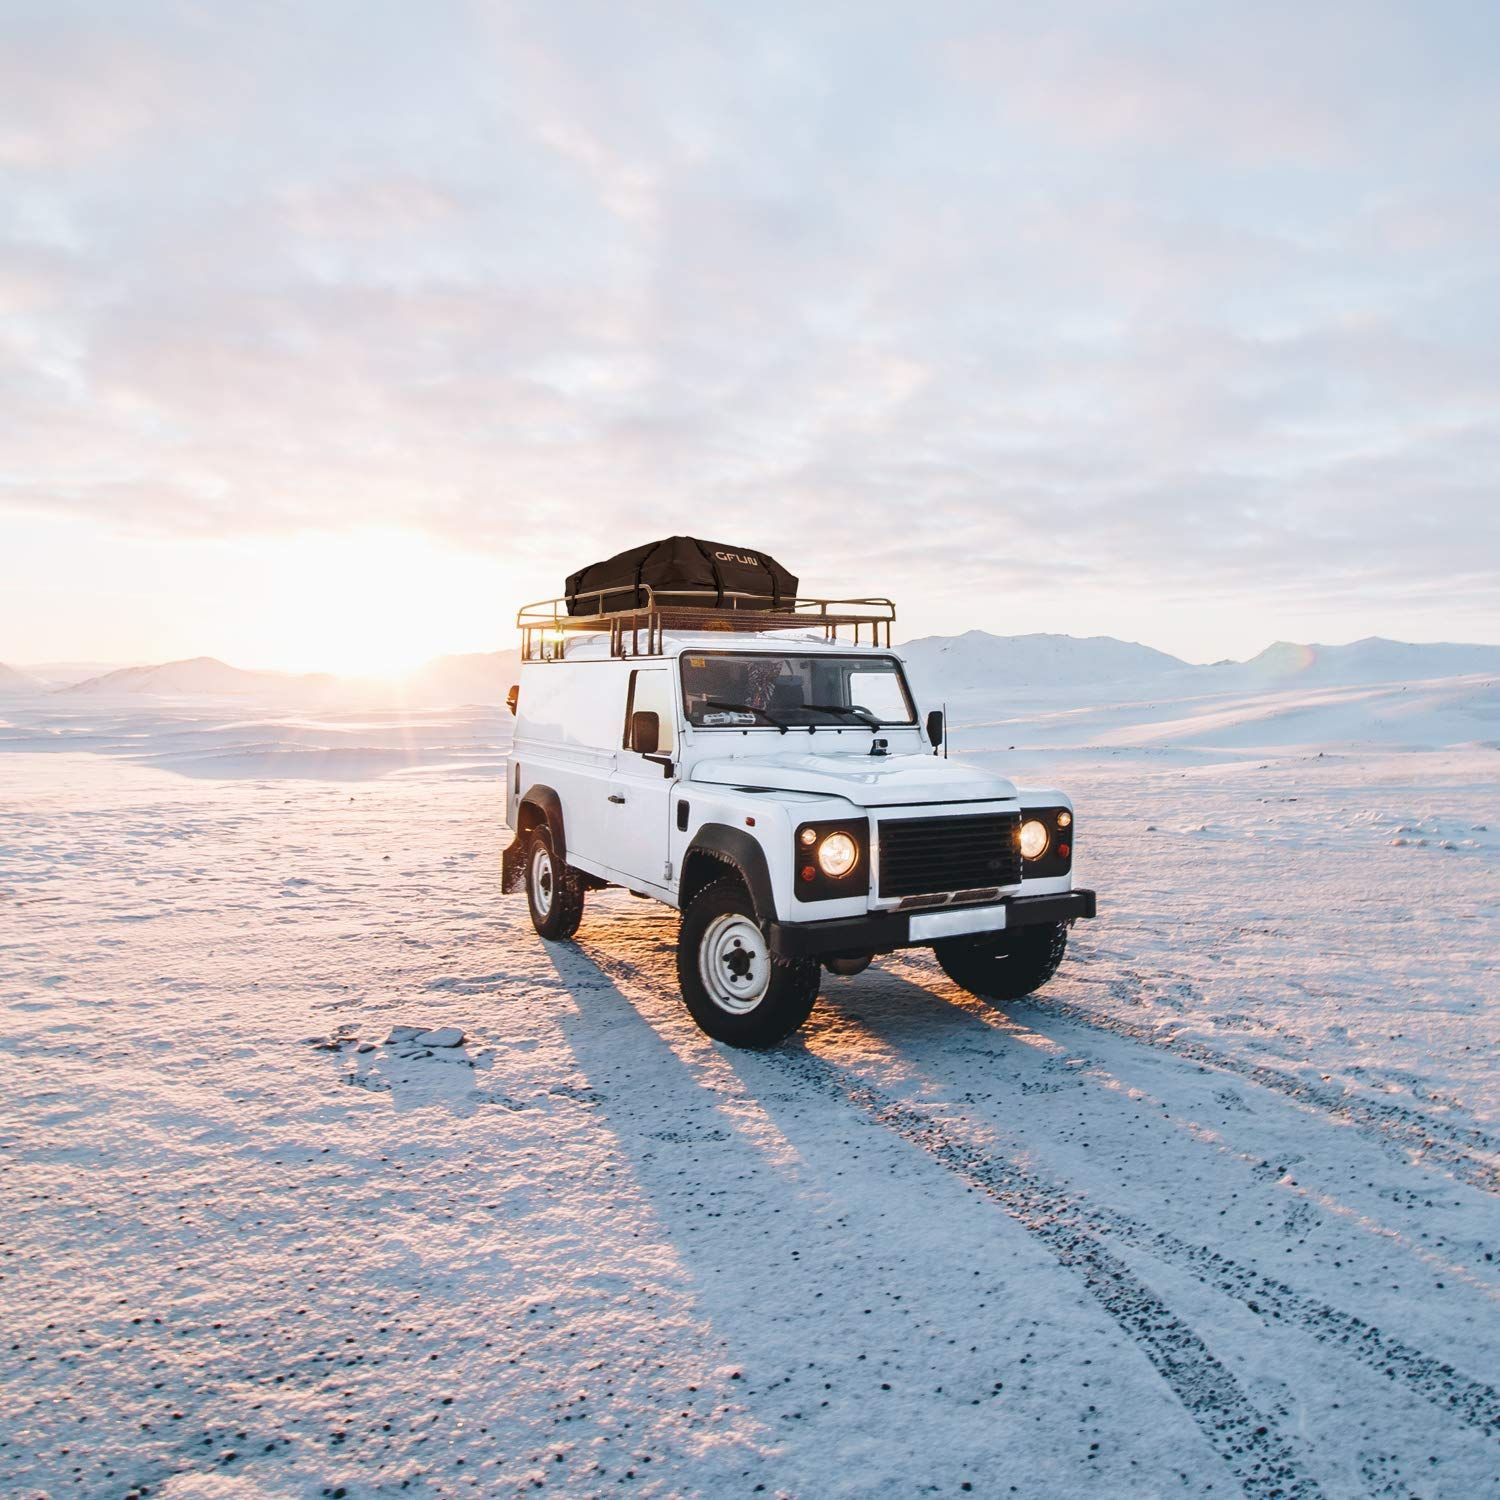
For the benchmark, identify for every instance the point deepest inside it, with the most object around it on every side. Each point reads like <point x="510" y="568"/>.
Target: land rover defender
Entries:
<point x="757" y="760"/>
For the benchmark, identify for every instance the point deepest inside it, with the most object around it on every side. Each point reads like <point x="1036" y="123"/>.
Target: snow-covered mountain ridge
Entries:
<point x="978" y="660"/>
<point x="974" y="662"/>
<point x="480" y="677"/>
<point x="12" y="681"/>
<point x="197" y="676"/>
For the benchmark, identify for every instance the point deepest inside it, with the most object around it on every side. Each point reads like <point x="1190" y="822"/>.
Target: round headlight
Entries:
<point x="1064" y="818"/>
<point x="838" y="854"/>
<point x="1033" y="839"/>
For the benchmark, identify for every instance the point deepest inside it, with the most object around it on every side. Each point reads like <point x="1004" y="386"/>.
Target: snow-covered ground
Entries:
<point x="1215" y="1213"/>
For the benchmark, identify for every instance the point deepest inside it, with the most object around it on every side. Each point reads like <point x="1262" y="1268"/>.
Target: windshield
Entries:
<point x="733" y="690"/>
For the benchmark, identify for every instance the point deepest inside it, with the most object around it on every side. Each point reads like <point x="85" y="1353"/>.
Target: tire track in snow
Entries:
<point x="1064" y="1221"/>
<point x="1388" y="1125"/>
<point x="1262" y="1461"/>
<point x="1051" y="1208"/>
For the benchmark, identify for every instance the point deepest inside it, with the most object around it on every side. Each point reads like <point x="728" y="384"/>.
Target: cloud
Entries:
<point x="1183" y="302"/>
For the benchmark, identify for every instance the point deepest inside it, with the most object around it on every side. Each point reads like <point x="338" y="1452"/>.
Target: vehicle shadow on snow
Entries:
<point x="893" y="1008"/>
<point x="651" y="1099"/>
<point x="740" y="1187"/>
<point x="761" y="1189"/>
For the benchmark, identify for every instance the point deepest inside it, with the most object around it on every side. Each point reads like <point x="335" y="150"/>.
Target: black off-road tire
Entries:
<point x="553" y="890"/>
<point x="718" y="927"/>
<point x="1004" y="965"/>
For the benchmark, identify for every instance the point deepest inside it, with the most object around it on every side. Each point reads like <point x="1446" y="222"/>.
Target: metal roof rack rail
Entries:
<point x="548" y="625"/>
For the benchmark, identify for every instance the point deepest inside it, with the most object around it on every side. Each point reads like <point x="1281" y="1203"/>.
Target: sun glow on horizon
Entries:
<point x="364" y="601"/>
<point x="381" y="602"/>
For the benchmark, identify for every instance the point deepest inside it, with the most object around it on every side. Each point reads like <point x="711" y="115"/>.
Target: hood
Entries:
<point x="866" y="780"/>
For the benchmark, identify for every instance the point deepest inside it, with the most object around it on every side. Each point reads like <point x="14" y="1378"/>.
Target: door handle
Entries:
<point x="613" y="797"/>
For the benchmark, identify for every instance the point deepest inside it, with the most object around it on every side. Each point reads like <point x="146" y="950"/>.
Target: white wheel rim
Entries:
<point x="541" y="880"/>
<point x="734" y="963"/>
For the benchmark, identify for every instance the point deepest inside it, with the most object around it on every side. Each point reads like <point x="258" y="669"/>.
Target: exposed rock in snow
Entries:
<point x="442" y="1036"/>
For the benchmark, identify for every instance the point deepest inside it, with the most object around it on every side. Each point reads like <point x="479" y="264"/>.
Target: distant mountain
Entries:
<point x="479" y="677"/>
<point x="973" y="663"/>
<point x="482" y="677"/>
<point x="977" y="660"/>
<point x="56" y="674"/>
<point x="203" y="677"/>
<point x="1368" y="661"/>
<point x="14" y="682"/>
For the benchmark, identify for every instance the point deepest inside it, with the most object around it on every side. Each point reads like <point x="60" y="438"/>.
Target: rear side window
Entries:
<point x="651" y="691"/>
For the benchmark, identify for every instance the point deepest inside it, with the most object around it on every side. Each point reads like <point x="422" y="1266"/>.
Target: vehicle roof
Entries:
<point x="590" y="647"/>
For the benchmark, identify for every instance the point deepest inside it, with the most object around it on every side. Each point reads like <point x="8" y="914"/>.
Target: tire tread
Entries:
<point x="1017" y="966"/>
<point x="567" y="893"/>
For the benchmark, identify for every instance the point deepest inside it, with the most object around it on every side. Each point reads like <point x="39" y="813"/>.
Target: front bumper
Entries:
<point x="883" y="931"/>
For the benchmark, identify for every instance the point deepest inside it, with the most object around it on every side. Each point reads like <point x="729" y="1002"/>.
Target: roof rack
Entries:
<point x="547" y="626"/>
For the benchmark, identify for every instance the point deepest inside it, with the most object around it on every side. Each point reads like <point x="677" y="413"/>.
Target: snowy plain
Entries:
<point x="1214" y="1213"/>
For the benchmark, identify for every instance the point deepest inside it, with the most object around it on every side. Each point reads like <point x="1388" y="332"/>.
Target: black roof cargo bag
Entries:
<point x="682" y="564"/>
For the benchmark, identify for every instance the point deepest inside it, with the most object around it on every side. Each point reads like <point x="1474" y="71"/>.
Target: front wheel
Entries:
<point x="1004" y="965"/>
<point x="734" y="987"/>
<point x="553" y="891"/>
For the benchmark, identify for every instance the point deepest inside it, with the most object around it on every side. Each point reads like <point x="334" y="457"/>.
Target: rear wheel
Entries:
<point x="553" y="891"/>
<point x="1004" y="965"/>
<point x="735" y="988"/>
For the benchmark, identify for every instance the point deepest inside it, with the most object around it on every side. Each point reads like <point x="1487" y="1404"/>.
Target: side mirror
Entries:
<point x="935" y="727"/>
<point x="513" y="696"/>
<point x="645" y="731"/>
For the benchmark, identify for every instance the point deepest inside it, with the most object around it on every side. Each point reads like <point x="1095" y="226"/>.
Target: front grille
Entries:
<point x="919" y="856"/>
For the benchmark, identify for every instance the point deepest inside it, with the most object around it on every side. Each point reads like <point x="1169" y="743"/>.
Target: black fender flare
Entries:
<point x="736" y="848"/>
<point x="538" y="804"/>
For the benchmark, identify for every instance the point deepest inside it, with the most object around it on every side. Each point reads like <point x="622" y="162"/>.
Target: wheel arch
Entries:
<point x="717" y="847"/>
<point x="538" y="805"/>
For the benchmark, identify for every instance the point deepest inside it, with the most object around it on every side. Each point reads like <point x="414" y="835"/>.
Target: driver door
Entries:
<point x="640" y="787"/>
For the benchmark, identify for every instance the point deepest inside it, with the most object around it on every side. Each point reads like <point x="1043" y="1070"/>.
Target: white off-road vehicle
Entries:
<point x="760" y="765"/>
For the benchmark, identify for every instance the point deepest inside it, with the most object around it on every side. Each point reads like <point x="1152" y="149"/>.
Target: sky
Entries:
<point x="331" y="333"/>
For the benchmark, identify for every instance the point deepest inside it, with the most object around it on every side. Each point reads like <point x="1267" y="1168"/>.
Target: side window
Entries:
<point x="651" y="690"/>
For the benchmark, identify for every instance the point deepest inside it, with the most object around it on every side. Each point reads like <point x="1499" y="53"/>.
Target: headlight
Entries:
<point x="838" y="854"/>
<point x="1033" y="839"/>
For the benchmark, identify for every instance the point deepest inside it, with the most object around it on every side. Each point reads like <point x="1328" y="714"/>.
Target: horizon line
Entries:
<point x="104" y="669"/>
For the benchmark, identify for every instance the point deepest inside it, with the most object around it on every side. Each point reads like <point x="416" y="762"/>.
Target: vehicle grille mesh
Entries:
<point x="923" y="855"/>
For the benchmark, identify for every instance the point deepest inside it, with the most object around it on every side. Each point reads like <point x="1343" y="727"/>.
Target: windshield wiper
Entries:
<point x="864" y="715"/>
<point x="745" y="708"/>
